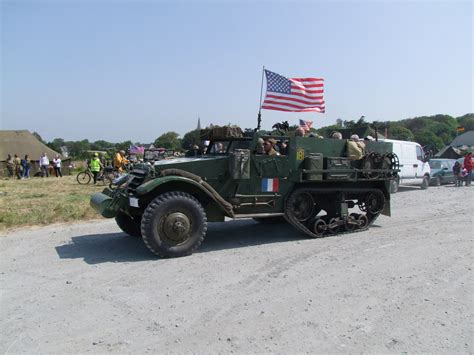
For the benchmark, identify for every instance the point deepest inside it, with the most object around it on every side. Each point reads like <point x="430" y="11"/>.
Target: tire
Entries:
<point x="438" y="181"/>
<point x="173" y="225"/>
<point x="106" y="179"/>
<point x="394" y="186"/>
<point x="83" y="178"/>
<point x="270" y="220"/>
<point x="425" y="183"/>
<point x="129" y="225"/>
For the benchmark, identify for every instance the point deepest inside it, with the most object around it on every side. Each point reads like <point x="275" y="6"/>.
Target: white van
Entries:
<point x="414" y="167"/>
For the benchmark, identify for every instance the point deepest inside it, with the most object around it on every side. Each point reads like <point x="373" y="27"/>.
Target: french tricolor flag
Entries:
<point x="270" y="185"/>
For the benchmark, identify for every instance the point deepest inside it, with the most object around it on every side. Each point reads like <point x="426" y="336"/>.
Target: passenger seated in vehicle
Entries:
<point x="259" y="149"/>
<point x="355" y="148"/>
<point x="336" y="135"/>
<point x="283" y="148"/>
<point x="193" y="152"/>
<point x="299" y="132"/>
<point x="269" y="147"/>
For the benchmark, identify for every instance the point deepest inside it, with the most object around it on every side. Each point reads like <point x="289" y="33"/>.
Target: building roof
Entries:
<point x="467" y="139"/>
<point x="21" y="143"/>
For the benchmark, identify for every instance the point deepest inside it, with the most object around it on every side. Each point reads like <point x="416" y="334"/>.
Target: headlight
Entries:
<point x="120" y="180"/>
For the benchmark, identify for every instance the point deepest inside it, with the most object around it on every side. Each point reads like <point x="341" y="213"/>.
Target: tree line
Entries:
<point x="436" y="131"/>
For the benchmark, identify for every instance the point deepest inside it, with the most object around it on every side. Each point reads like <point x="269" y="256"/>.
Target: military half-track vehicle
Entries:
<point x="316" y="187"/>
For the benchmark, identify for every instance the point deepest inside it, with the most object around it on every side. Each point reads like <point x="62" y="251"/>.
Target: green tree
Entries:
<point x="401" y="133"/>
<point x="191" y="138"/>
<point x="38" y="137"/>
<point x="466" y="121"/>
<point x="102" y="145"/>
<point x="428" y="138"/>
<point x="78" y="149"/>
<point x="123" y="146"/>
<point x="56" y="144"/>
<point x="168" y="140"/>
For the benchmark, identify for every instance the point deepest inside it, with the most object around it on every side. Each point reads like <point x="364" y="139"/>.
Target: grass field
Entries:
<point x="41" y="201"/>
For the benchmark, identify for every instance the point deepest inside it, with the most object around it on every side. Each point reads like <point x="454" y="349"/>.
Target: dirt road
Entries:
<point x="404" y="285"/>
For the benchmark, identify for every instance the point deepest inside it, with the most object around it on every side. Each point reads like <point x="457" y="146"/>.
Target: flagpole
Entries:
<point x="259" y="117"/>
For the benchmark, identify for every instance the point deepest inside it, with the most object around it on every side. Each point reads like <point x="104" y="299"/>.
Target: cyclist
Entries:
<point x="120" y="161"/>
<point x="95" y="166"/>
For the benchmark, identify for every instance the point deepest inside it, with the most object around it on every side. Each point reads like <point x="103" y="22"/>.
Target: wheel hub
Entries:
<point x="176" y="226"/>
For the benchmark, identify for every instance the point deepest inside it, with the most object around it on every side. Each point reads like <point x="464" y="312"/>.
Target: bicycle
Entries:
<point x="105" y="176"/>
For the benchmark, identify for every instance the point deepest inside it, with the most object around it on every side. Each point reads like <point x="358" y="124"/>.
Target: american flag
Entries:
<point x="306" y="125"/>
<point x="293" y="95"/>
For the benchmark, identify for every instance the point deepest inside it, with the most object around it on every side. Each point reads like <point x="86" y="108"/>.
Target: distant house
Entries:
<point x="148" y="146"/>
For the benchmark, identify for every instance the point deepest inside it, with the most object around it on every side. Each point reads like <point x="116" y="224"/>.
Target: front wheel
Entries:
<point x="129" y="225"/>
<point x="174" y="224"/>
<point x="83" y="178"/>
<point x="425" y="183"/>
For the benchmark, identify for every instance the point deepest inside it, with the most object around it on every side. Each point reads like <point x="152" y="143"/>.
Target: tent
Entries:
<point x="449" y="152"/>
<point x="21" y="143"/>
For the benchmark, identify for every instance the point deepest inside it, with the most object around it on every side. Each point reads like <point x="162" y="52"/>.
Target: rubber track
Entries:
<point x="302" y="228"/>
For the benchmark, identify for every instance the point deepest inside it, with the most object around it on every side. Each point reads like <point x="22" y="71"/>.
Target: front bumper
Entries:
<point x="108" y="203"/>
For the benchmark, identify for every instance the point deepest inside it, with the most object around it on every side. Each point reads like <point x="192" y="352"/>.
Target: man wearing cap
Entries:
<point x="269" y="145"/>
<point x="120" y="161"/>
<point x="95" y="166"/>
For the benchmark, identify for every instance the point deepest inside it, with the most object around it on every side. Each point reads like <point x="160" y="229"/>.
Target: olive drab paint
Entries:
<point x="315" y="185"/>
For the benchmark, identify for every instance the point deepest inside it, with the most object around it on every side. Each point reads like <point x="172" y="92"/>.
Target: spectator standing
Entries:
<point x="10" y="166"/>
<point x="17" y="166"/>
<point x="25" y="163"/>
<point x="95" y="166"/>
<point x="120" y="161"/>
<point x="57" y="166"/>
<point x="44" y="165"/>
<point x="468" y="167"/>
<point x="457" y="174"/>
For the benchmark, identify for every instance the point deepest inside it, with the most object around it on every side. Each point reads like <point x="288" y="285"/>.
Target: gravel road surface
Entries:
<point x="404" y="285"/>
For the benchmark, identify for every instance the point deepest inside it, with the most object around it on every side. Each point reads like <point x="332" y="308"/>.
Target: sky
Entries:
<point x="133" y="70"/>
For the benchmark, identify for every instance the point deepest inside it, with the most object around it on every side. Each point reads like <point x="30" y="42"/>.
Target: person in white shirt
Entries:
<point x="44" y="165"/>
<point x="57" y="166"/>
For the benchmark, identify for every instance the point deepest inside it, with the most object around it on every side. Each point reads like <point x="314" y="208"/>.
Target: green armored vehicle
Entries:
<point x="314" y="184"/>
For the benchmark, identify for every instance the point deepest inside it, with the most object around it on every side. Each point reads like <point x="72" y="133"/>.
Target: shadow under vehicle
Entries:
<point x="441" y="171"/>
<point x="315" y="187"/>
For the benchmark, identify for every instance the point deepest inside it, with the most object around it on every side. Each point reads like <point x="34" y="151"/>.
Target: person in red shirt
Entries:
<point x="468" y="166"/>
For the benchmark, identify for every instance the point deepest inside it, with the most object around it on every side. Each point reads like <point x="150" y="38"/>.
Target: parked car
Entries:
<point x="441" y="171"/>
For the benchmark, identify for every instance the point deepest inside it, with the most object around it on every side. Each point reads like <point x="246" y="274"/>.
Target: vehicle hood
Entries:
<point x="188" y="160"/>
<point x="210" y="167"/>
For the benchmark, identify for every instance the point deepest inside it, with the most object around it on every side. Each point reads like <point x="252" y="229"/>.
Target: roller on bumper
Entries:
<point x="104" y="205"/>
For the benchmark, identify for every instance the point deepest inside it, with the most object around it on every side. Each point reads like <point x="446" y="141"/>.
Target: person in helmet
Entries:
<point x="95" y="166"/>
<point x="120" y="161"/>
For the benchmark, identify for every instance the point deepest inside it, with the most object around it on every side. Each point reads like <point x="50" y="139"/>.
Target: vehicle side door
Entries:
<point x="410" y="164"/>
<point x="422" y="167"/>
